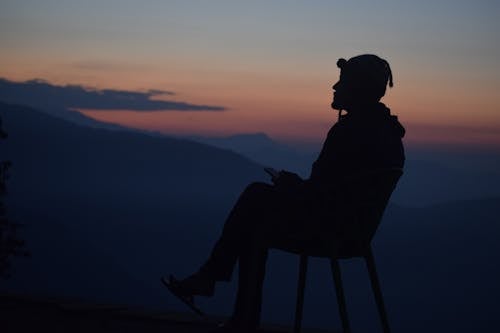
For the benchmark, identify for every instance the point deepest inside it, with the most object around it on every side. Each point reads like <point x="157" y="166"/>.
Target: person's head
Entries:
<point x="363" y="80"/>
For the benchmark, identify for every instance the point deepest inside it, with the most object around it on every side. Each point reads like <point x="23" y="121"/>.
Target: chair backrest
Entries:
<point x="367" y="195"/>
<point x="364" y="198"/>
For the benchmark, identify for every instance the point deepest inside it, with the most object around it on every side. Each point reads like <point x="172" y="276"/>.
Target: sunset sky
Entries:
<point x="271" y="64"/>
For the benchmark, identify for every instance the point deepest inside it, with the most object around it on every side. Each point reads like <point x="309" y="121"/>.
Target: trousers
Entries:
<point x="263" y="214"/>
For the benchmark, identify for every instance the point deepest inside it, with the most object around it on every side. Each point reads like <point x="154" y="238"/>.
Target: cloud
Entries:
<point x="42" y="94"/>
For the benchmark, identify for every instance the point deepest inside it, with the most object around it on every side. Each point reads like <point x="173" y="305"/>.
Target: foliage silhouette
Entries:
<point x="10" y="244"/>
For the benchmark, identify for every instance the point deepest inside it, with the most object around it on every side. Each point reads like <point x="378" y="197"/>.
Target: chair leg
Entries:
<point x="340" y="295"/>
<point x="300" y="293"/>
<point x="370" y="264"/>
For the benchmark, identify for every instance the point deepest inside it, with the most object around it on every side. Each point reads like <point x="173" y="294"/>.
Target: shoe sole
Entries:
<point x="188" y="300"/>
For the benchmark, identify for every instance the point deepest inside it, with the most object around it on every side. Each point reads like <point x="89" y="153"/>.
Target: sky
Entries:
<point x="270" y="64"/>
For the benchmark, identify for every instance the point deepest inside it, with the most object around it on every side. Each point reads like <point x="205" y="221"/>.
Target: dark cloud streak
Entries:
<point x="43" y="94"/>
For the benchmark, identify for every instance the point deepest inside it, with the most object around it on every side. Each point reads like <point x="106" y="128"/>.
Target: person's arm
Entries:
<point x="287" y="178"/>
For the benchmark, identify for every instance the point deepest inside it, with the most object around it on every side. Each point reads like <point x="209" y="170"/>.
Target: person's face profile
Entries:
<point x="341" y="95"/>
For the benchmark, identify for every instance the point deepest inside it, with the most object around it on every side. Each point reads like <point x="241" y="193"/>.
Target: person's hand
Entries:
<point x="287" y="179"/>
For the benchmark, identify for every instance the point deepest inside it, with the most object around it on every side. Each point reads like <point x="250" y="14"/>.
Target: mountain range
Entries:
<point x="106" y="212"/>
<point x="433" y="173"/>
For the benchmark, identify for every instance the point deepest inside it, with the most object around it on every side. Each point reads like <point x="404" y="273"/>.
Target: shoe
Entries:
<point x="186" y="289"/>
<point x="198" y="284"/>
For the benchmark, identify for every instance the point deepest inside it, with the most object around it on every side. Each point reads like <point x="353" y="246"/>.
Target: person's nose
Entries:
<point x="335" y="86"/>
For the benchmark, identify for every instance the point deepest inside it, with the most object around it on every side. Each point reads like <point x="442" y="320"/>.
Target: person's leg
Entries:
<point x="274" y="219"/>
<point x="244" y="220"/>
<point x="248" y="304"/>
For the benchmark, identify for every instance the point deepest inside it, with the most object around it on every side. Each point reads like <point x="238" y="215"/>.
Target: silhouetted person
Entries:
<point x="366" y="138"/>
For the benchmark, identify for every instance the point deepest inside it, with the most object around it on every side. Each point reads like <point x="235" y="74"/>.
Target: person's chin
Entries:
<point x="336" y="105"/>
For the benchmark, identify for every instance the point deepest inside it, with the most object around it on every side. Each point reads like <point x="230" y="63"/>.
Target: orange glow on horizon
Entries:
<point x="290" y="108"/>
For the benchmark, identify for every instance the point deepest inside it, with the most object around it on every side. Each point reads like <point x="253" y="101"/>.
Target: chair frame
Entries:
<point x="337" y="279"/>
<point x="365" y="252"/>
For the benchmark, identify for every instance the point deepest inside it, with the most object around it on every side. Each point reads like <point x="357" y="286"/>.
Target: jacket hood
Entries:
<point x="397" y="127"/>
<point x="377" y="113"/>
<point x="394" y="124"/>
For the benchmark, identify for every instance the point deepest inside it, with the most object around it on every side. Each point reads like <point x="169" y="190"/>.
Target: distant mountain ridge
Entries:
<point x="79" y="188"/>
<point x="261" y="148"/>
<point x="438" y="177"/>
<point x="432" y="174"/>
<point x="35" y="136"/>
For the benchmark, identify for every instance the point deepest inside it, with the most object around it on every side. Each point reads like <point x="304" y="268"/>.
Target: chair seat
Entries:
<point x="323" y="249"/>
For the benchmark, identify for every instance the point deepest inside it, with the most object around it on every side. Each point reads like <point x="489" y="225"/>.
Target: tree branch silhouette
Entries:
<point x="10" y="244"/>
